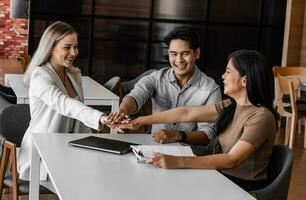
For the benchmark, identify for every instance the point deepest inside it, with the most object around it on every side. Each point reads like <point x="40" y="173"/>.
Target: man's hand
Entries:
<point x="164" y="136"/>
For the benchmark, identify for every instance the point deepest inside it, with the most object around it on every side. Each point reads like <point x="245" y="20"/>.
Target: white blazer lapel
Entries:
<point x="57" y="79"/>
<point x="76" y="86"/>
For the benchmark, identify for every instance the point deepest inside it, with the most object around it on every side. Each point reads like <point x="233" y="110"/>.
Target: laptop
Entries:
<point x="103" y="144"/>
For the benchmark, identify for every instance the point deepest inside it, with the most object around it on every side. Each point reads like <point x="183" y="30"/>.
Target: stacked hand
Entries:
<point x="118" y="117"/>
<point x="104" y="120"/>
<point x="120" y="121"/>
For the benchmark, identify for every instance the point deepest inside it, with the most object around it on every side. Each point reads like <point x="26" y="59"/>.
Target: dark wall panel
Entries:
<point x="125" y="37"/>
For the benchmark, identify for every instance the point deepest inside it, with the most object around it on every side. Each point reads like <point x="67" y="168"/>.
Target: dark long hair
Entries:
<point x="251" y="64"/>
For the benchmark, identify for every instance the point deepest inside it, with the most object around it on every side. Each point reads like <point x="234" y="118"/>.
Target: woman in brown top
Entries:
<point x="246" y="125"/>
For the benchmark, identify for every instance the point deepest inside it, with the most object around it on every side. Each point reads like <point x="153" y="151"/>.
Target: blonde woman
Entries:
<point x="55" y="92"/>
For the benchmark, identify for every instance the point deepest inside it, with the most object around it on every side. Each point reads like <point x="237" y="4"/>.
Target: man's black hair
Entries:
<point x="183" y="33"/>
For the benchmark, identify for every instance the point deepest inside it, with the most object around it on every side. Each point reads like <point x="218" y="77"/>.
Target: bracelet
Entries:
<point x="182" y="136"/>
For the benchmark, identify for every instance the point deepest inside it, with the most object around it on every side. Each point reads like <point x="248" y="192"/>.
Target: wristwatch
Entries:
<point x="182" y="135"/>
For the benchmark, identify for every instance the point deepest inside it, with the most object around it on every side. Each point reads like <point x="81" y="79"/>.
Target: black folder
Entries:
<point x="103" y="144"/>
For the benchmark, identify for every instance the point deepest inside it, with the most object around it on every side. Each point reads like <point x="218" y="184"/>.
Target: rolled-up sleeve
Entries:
<point x="211" y="128"/>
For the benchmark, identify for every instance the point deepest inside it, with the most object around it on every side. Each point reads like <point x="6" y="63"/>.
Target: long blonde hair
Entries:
<point x="55" y="32"/>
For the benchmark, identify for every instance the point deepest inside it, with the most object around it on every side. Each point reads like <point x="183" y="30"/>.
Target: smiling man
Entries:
<point x="182" y="84"/>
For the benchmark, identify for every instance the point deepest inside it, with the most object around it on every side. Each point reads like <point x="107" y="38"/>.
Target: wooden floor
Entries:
<point x="297" y="190"/>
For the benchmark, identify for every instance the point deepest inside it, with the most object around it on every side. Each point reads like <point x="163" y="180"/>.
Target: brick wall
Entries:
<point x="13" y="33"/>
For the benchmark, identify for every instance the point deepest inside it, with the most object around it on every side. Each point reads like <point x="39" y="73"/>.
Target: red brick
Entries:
<point x="12" y="45"/>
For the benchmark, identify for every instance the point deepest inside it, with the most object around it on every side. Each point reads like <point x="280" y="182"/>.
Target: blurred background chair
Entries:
<point x="289" y="108"/>
<point x="113" y="84"/>
<point x="23" y="61"/>
<point x="127" y="86"/>
<point x="3" y="103"/>
<point x="279" y="175"/>
<point x="298" y="72"/>
<point x="8" y="94"/>
<point x="14" y="121"/>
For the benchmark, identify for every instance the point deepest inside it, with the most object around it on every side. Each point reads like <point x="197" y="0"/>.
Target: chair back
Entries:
<point x="279" y="175"/>
<point x="285" y="71"/>
<point x="7" y="90"/>
<point x="14" y="121"/>
<point x="23" y="61"/>
<point x="127" y="86"/>
<point x="8" y="97"/>
<point x="113" y="84"/>
<point x="4" y="103"/>
<point x="8" y="94"/>
<point x="287" y="87"/>
<point x="288" y="71"/>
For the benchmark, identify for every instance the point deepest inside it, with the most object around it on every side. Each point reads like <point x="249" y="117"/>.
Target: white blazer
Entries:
<point x="51" y="109"/>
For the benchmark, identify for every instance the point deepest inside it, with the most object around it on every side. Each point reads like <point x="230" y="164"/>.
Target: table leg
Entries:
<point x="115" y="107"/>
<point x="34" y="174"/>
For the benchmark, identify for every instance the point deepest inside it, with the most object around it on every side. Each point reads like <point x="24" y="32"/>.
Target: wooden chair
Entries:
<point x="288" y="71"/>
<point x="23" y="61"/>
<point x="290" y="110"/>
<point x="14" y="120"/>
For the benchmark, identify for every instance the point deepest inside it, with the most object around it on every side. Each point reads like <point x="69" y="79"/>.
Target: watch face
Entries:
<point x="182" y="136"/>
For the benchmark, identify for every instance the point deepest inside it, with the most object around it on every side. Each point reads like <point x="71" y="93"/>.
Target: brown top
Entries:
<point x="255" y="125"/>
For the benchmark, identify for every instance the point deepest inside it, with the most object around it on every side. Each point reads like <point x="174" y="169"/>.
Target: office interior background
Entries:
<point x="124" y="37"/>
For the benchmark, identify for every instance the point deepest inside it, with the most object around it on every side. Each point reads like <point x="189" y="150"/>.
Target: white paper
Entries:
<point x="148" y="150"/>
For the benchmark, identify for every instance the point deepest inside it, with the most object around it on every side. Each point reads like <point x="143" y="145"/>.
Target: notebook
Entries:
<point x="103" y="144"/>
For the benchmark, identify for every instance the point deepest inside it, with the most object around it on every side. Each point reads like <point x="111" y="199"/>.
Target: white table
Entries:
<point x="94" y="93"/>
<point x="79" y="174"/>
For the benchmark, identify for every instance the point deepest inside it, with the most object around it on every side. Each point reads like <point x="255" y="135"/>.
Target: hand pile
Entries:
<point x="119" y="121"/>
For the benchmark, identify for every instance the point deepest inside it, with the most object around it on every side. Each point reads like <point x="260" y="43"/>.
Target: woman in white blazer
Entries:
<point x="55" y="93"/>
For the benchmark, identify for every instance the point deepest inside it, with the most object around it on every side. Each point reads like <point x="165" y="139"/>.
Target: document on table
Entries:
<point x="145" y="152"/>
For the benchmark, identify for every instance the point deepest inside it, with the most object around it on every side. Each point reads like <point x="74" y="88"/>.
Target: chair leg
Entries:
<point x="287" y="131"/>
<point x="3" y="167"/>
<point x="292" y="130"/>
<point x="9" y="153"/>
<point x="300" y="121"/>
<point x="304" y="134"/>
<point x="14" y="174"/>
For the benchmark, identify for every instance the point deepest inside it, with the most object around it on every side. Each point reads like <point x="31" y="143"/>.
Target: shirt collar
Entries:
<point x="192" y="80"/>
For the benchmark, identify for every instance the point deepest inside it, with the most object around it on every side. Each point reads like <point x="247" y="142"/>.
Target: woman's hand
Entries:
<point x="118" y="117"/>
<point x="167" y="161"/>
<point x="104" y="120"/>
<point x="164" y="136"/>
<point x="131" y="125"/>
